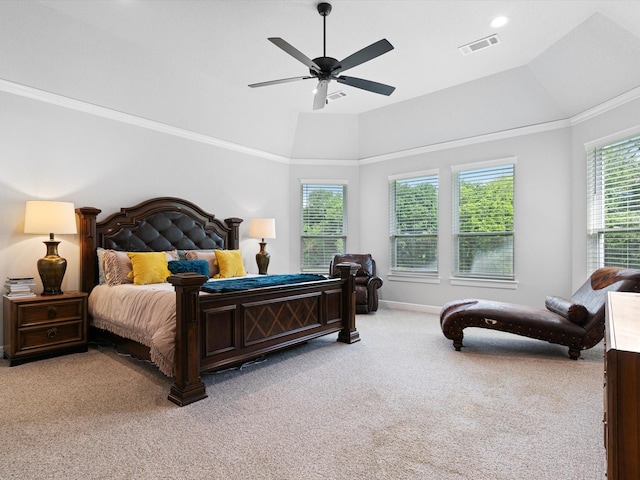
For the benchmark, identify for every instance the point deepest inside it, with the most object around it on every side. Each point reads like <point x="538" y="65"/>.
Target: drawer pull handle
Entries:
<point x="52" y="332"/>
<point x="52" y="312"/>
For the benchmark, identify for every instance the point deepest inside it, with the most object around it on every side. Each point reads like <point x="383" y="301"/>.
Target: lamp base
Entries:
<point x="262" y="259"/>
<point x="52" y="269"/>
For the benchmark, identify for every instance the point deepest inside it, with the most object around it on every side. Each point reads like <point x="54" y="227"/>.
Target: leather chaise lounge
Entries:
<point x="577" y="323"/>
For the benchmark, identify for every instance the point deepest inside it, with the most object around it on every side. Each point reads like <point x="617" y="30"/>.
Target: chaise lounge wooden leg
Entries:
<point x="574" y="354"/>
<point x="457" y="344"/>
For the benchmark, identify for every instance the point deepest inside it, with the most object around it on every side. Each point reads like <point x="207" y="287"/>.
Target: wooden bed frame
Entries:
<point x="216" y="331"/>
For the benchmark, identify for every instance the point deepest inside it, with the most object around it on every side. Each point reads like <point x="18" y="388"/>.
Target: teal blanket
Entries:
<point x="247" y="283"/>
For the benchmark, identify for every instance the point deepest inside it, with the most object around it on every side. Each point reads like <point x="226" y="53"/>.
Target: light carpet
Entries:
<point x="400" y="404"/>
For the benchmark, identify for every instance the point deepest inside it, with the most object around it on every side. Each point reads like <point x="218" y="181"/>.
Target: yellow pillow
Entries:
<point x="230" y="264"/>
<point x="149" y="267"/>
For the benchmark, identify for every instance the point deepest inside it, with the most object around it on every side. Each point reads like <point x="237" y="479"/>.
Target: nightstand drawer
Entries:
<point x="49" y="336"/>
<point x="44" y="325"/>
<point x="38" y="313"/>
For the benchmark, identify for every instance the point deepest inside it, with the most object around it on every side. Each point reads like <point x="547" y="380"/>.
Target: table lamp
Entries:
<point x="262" y="228"/>
<point x="48" y="217"/>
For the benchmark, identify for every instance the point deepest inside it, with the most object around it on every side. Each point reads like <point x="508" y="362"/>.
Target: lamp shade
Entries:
<point x="262" y="228"/>
<point x="50" y="217"/>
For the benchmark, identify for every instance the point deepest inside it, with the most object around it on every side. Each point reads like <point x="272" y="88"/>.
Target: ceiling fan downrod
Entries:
<point x="324" y="9"/>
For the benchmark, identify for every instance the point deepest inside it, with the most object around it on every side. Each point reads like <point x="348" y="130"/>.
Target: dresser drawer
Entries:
<point x="50" y="336"/>
<point x="39" y="313"/>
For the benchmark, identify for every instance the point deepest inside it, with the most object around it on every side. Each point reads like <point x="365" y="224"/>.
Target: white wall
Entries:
<point x="550" y="202"/>
<point x="326" y="136"/>
<point x="51" y="152"/>
<point x="542" y="218"/>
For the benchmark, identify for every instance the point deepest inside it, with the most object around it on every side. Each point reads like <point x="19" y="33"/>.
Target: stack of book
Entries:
<point x="19" y="287"/>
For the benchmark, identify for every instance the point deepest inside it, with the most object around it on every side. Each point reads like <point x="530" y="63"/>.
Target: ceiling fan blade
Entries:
<point x="275" y="82"/>
<point x="367" y="53"/>
<point x="320" y="100"/>
<point x="374" y="87"/>
<point x="294" y="52"/>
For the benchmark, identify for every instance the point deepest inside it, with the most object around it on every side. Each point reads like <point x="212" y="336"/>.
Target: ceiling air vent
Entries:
<point x="479" y="44"/>
<point x="336" y="95"/>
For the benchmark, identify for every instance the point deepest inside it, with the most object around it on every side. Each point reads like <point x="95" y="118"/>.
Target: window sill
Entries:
<point x="413" y="277"/>
<point x="484" y="283"/>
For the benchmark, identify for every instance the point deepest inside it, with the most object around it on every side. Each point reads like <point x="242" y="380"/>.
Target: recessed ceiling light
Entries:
<point x="499" y="22"/>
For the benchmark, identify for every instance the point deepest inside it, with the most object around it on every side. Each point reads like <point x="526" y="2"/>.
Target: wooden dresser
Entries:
<point x="622" y="386"/>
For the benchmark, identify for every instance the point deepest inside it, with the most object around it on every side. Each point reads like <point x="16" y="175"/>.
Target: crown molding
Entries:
<point x="463" y="142"/>
<point x="319" y="161"/>
<point x="104" y="112"/>
<point x="604" y="107"/>
<point x="85" y="107"/>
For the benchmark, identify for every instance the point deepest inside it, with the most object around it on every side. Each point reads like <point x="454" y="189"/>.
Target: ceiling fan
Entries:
<point x="326" y="68"/>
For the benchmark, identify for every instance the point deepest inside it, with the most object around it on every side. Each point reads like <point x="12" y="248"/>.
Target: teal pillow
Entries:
<point x="189" y="266"/>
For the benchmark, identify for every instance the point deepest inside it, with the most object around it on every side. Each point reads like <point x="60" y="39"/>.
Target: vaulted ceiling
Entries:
<point x="188" y="63"/>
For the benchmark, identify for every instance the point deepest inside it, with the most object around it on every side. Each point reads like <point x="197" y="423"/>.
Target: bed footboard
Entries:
<point x="214" y="331"/>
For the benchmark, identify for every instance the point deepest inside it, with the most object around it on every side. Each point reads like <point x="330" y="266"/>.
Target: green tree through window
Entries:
<point x="323" y="225"/>
<point x="614" y="204"/>
<point x="414" y="224"/>
<point x="484" y="222"/>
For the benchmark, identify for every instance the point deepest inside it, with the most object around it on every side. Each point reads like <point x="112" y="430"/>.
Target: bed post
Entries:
<point x="234" y="234"/>
<point x="88" y="245"/>
<point x="349" y="333"/>
<point x="187" y="387"/>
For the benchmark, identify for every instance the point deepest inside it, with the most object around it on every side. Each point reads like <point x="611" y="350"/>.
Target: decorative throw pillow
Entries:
<point x="149" y="267"/>
<point x="208" y="255"/>
<point x="189" y="266"/>
<point x="230" y="263"/>
<point x="100" y="252"/>
<point x="573" y="312"/>
<point x="172" y="255"/>
<point x="117" y="267"/>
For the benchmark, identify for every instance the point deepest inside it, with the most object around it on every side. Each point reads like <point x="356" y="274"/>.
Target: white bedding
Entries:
<point x="143" y="313"/>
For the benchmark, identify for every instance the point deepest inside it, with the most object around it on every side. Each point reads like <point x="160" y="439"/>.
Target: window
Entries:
<point x="483" y="222"/>
<point x="413" y="223"/>
<point x="613" y="175"/>
<point x="324" y="225"/>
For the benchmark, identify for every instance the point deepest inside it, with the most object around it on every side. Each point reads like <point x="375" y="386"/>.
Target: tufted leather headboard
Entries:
<point x="158" y="224"/>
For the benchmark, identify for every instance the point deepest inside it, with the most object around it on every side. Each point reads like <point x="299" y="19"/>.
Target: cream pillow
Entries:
<point x="230" y="264"/>
<point x="208" y="255"/>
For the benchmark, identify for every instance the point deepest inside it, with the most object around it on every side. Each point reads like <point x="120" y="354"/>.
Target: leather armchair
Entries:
<point x="367" y="284"/>
<point x="577" y="323"/>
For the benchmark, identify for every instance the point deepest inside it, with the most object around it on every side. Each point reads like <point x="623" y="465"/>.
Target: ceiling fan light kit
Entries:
<point x="324" y="69"/>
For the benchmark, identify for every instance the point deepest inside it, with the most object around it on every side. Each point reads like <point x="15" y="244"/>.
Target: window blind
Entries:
<point x="613" y="204"/>
<point x="413" y="224"/>
<point x="323" y="225"/>
<point x="483" y="222"/>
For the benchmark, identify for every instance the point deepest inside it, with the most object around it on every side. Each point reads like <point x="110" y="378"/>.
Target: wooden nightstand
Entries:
<point x="41" y="326"/>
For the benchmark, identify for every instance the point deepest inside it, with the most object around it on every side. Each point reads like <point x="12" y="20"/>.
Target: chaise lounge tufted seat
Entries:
<point x="577" y="323"/>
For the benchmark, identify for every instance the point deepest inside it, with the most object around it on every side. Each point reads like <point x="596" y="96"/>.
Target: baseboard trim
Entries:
<point x="412" y="307"/>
